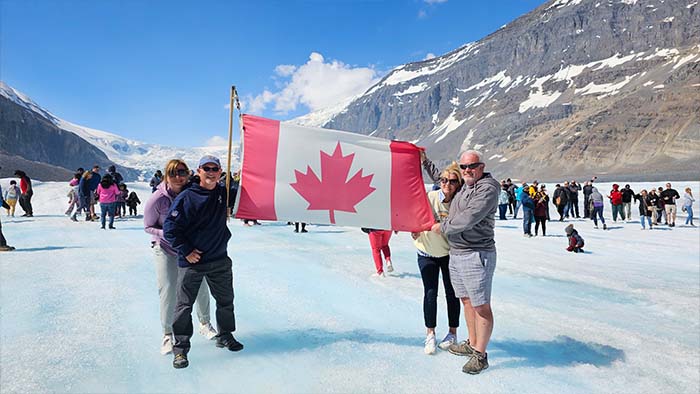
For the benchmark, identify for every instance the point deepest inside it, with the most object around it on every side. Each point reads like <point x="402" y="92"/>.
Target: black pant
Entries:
<point x="560" y="209"/>
<point x="189" y="279"/>
<point x="25" y="201"/>
<point x="132" y="210"/>
<point x="430" y="268"/>
<point x="3" y="241"/>
<point x="541" y="220"/>
<point x="586" y="207"/>
<point x="574" y="208"/>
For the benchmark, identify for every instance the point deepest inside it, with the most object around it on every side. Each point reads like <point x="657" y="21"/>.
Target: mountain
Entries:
<point x="30" y="136"/>
<point x="573" y="88"/>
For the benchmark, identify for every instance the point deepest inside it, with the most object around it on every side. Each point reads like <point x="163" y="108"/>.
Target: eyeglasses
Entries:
<point x="470" y="166"/>
<point x="210" y="169"/>
<point x="180" y="173"/>
<point x="451" y="181"/>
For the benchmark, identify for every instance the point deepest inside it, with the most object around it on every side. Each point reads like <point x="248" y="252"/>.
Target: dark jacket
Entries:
<point x="562" y="193"/>
<point x="94" y="181"/>
<point x="118" y="178"/>
<point x="575" y="242"/>
<point x="528" y="202"/>
<point x="627" y="195"/>
<point x="574" y="188"/>
<point x="644" y="202"/>
<point x="587" y="190"/>
<point x="669" y="196"/>
<point x="133" y="200"/>
<point x="197" y="220"/>
<point x="84" y="187"/>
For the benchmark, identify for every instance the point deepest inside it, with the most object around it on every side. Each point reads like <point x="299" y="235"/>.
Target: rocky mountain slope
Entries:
<point x="573" y="88"/>
<point x="31" y="136"/>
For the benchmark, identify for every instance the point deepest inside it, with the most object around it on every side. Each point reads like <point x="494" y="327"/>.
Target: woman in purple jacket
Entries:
<point x="155" y="211"/>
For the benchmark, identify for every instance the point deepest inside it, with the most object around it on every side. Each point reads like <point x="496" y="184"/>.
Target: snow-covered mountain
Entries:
<point x="20" y="116"/>
<point x="572" y="88"/>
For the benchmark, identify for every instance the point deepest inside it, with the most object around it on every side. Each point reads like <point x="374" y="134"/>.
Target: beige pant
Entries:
<point x="11" y="203"/>
<point x="670" y="213"/>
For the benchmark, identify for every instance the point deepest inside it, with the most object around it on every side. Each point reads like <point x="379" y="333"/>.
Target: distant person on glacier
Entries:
<point x="196" y="227"/>
<point x="93" y="183"/>
<point x="597" y="205"/>
<point x="154" y="215"/>
<point x="25" y="198"/>
<point x="669" y="196"/>
<point x="11" y="196"/>
<point x="469" y="228"/>
<point x="4" y="247"/>
<point x="118" y="178"/>
<point x="688" y="201"/>
<point x="155" y="180"/>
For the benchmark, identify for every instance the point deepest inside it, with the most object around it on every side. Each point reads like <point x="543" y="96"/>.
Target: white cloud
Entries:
<point x="422" y="14"/>
<point x="435" y="1"/>
<point x="216" y="141"/>
<point x="316" y="84"/>
<point x="429" y="56"/>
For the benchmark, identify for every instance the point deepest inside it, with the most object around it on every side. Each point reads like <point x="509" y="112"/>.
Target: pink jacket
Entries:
<point x="108" y="195"/>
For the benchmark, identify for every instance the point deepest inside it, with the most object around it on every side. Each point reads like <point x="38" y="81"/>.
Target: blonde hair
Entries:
<point x="87" y="174"/>
<point x="689" y="191"/>
<point x="171" y="167"/>
<point x="452" y="169"/>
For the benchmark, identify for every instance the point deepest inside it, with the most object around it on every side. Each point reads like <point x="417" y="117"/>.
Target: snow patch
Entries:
<point x="449" y="125"/>
<point x="538" y="99"/>
<point x="413" y="89"/>
<point x="685" y="59"/>
<point x="660" y="86"/>
<point x="691" y="5"/>
<point x="563" y="3"/>
<point x="669" y="19"/>
<point x="606" y="89"/>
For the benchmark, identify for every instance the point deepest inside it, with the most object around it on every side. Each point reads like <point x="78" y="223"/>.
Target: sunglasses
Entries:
<point x="451" y="181"/>
<point x="180" y="173"/>
<point x="470" y="166"/>
<point x="210" y="169"/>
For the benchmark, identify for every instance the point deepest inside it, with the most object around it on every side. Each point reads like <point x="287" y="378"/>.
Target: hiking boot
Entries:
<point x="111" y="227"/>
<point x="429" y="344"/>
<point x="180" y="361"/>
<point x="449" y="340"/>
<point x="605" y="227"/>
<point x="7" y="248"/>
<point x="229" y="342"/>
<point x="477" y="363"/>
<point x="389" y="266"/>
<point x="207" y="330"/>
<point x="167" y="346"/>
<point x="461" y="349"/>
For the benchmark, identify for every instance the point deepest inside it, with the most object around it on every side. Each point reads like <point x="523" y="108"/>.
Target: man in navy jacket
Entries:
<point x="196" y="228"/>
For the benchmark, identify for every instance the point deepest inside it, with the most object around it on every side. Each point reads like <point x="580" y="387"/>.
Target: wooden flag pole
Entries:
<point x="229" y="177"/>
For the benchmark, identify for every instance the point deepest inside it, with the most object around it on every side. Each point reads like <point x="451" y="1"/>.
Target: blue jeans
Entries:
<point x="641" y="219"/>
<point x="517" y="206"/>
<point x="502" y="209"/>
<point x="689" y="210"/>
<point x="108" y="208"/>
<point x="597" y="211"/>
<point x="527" y="221"/>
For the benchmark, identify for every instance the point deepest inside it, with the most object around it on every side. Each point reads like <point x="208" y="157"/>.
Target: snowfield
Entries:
<point x="79" y="311"/>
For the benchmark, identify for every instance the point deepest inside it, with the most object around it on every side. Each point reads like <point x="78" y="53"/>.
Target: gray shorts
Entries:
<point x="471" y="275"/>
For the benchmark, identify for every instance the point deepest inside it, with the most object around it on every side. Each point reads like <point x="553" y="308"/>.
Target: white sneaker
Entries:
<point x="429" y="344"/>
<point x="450" y="339"/>
<point x="378" y="275"/>
<point x="207" y="330"/>
<point x="389" y="266"/>
<point x="167" y="346"/>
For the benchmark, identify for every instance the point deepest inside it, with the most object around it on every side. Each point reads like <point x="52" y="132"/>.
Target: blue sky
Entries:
<point x="160" y="71"/>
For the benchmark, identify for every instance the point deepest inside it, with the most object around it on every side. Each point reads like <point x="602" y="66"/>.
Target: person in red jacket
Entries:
<point x="25" y="199"/>
<point x="616" y="202"/>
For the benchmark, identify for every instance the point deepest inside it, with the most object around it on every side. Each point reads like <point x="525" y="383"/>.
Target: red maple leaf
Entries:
<point x="333" y="192"/>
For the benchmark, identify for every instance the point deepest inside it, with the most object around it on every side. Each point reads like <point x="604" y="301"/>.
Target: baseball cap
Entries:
<point x="209" y="159"/>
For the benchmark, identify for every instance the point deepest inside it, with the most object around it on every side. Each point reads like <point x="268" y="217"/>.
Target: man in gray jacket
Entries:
<point x="470" y="229"/>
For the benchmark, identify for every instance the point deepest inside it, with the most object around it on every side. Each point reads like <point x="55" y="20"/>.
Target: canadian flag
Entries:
<point x="322" y="176"/>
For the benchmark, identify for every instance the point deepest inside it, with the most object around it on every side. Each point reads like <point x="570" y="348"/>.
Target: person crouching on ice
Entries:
<point x="575" y="240"/>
